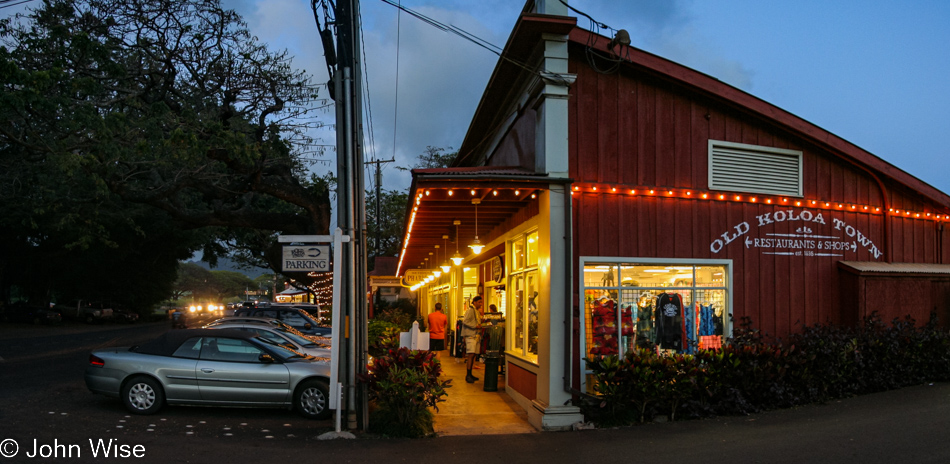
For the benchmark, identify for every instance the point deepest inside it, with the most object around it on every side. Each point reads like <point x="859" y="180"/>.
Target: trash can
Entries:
<point x="491" y="371"/>
<point x="496" y="338"/>
<point x="450" y="342"/>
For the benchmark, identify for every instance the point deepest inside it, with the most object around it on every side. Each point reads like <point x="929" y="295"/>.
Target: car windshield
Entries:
<point x="300" y="338"/>
<point x="282" y="351"/>
<point x="286" y="328"/>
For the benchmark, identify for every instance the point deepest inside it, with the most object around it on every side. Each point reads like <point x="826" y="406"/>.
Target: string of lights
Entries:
<point x="450" y="192"/>
<point x="627" y="190"/>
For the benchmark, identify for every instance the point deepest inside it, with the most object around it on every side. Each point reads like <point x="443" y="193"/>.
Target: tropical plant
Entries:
<point x="403" y="385"/>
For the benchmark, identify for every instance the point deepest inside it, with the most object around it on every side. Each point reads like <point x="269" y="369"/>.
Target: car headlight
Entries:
<point x="192" y="309"/>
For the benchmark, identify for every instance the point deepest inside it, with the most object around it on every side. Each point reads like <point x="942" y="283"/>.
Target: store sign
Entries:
<point x="804" y="242"/>
<point x="305" y="258"/>
<point x="415" y="276"/>
<point x="497" y="269"/>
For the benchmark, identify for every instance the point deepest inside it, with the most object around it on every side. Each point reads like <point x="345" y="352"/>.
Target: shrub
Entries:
<point x="382" y="336"/>
<point x="403" y="385"/>
<point x="402" y="313"/>
<point x="750" y="374"/>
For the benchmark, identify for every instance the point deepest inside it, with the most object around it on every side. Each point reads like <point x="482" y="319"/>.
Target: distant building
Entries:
<point x="292" y="295"/>
<point x="384" y="286"/>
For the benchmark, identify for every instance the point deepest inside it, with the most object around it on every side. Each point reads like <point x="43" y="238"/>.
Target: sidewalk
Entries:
<point x="468" y="410"/>
<point x="904" y="426"/>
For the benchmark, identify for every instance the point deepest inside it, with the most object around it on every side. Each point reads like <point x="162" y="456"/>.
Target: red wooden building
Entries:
<point x="616" y="188"/>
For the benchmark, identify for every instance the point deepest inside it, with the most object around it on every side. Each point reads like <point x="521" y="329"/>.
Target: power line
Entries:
<point x="448" y="28"/>
<point x="544" y="73"/>
<point x="369" y="103"/>
<point x="12" y="5"/>
<point x="396" y="97"/>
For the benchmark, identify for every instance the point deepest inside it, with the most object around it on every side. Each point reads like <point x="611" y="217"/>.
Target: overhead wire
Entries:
<point x="2" y="3"/>
<point x="396" y="97"/>
<point x="590" y="53"/>
<point x="368" y="114"/>
<point x="544" y="73"/>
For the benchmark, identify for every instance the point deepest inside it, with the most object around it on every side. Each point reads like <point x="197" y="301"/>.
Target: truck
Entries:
<point x="88" y="311"/>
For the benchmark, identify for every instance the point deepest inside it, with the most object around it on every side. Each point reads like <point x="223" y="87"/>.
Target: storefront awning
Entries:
<point x="872" y="267"/>
<point x="438" y="198"/>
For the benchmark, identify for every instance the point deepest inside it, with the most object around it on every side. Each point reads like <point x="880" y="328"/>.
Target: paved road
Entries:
<point x="910" y="425"/>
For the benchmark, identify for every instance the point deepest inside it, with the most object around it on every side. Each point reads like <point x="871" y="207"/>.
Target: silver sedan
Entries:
<point x="211" y="367"/>
<point x="279" y="336"/>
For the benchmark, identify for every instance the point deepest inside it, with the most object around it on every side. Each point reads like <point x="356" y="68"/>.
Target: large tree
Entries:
<point x="387" y="229"/>
<point x="169" y="104"/>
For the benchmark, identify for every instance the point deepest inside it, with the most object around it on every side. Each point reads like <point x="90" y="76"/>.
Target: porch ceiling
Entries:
<point x="438" y="199"/>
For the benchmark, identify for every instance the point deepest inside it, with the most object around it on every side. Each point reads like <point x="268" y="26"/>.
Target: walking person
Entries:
<point x="471" y="323"/>
<point x="437" y="321"/>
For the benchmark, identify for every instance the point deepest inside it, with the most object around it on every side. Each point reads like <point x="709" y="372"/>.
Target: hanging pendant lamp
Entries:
<point x="445" y="262"/>
<point x="457" y="257"/>
<point x="476" y="245"/>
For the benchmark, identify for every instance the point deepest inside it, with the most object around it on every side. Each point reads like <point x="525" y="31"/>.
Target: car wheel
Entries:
<point x="312" y="399"/>
<point x="143" y="395"/>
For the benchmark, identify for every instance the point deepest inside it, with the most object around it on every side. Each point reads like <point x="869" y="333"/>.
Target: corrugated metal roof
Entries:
<point x="897" y="268"/>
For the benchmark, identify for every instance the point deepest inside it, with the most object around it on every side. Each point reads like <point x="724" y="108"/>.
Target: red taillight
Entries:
<point x="96" y="361"/>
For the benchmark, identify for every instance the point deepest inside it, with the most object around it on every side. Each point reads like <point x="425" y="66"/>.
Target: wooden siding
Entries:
<point x="517" y="146"/>
<point x="635" y="129"/>
<point x="522" y="381"/>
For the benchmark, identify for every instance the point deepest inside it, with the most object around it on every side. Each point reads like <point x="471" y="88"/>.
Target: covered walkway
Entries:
<point x="468" y="410"/>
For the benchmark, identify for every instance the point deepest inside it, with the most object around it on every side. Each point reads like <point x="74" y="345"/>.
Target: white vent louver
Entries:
<point x="738" y="167"/>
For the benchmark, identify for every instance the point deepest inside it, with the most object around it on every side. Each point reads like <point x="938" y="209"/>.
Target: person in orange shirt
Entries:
<point x="437" y="322"/>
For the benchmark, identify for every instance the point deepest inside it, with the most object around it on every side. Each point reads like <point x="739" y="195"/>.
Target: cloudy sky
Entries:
<point x="872" y="72"/>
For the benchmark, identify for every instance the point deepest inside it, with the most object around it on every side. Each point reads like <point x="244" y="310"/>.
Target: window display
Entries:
<point x="668" y="307"/>
<point x="524" y="297"/>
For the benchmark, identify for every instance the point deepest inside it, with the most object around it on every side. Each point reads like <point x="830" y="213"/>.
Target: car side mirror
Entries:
<point x="307" y="326"/>
<point x="265" y="358"/>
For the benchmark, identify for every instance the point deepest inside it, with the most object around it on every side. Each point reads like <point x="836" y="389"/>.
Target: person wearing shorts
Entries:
<point x="471" y="323"/>
<point x="437" y="321"/>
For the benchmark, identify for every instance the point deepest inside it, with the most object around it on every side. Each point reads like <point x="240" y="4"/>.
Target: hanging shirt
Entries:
<point x="689" y="327"/>
<point x="669" y="321"/>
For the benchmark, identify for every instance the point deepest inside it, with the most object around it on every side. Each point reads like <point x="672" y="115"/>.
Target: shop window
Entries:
<point x="531" y="249"/>
<point x="738" y="167"/>
<point x="470" y="276"/>
<point x="517" y="255"/>
<point x="496" y="296"/>
<point x="523" y="295"/>
<point x="671" y="307"/>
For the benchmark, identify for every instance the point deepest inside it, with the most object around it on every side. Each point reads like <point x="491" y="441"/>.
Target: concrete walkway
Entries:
<point x="469" y="410"/>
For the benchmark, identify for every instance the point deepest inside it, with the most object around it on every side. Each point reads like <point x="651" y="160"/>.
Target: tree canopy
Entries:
<point x="138" y="131"/>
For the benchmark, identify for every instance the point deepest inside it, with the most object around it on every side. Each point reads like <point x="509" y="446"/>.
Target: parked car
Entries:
<point x="206" y="307"/>
<point x="316" y="312"/>
<point x="87" y="311"/>
<point x="212" y="367"/>
<point x="282" y="336"/>
<point x="323" y="339"/>
<point x="294" y="317"/>
<point x="124" y="315"/>
<point x="23" y="312"/>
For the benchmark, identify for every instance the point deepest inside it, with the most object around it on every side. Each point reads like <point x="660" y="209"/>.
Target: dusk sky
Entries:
<point x="872" y="72"/>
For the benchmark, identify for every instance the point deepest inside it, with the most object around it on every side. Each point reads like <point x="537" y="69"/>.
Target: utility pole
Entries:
<point x="379" y="182"/>
<point x="344" y="66"/>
